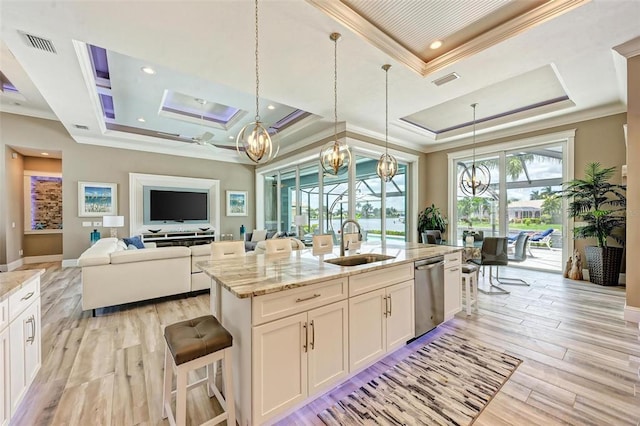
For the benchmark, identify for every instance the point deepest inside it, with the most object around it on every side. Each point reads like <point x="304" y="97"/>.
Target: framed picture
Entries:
<point x="97" y="199"/>
<point x="236" y="203"/>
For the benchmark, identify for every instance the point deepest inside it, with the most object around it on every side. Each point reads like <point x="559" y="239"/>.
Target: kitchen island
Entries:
<point x="301" y="325"/>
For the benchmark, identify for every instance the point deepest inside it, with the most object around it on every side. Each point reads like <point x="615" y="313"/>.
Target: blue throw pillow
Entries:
<point x="136" y="241"/>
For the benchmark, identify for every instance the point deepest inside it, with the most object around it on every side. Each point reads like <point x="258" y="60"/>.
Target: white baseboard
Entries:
<point x="69" y="263"/>
<point x="13" y="265"/>
<point x="42" y="259"/>
<point x="631" y="313"/>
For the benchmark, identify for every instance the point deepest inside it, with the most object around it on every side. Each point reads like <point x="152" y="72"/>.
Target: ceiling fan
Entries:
<point x="206" y="138"/>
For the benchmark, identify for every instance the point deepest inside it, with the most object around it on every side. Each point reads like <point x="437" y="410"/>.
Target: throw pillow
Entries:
<point x="136" y="241"/>
<point x="259" y="235"/>
<point x="132" y="247"/>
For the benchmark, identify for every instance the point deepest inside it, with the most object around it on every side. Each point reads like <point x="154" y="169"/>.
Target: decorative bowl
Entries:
<point x="154" y="230"/>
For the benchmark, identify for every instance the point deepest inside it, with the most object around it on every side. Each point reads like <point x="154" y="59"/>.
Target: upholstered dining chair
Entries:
<point x="493" y="253"/>
<point x="225" y="249"/>
<point x="433" y="236"/>
<point x="279" y="245"/>
<point x="322" y="244"/>
<point x="519" y="255"/>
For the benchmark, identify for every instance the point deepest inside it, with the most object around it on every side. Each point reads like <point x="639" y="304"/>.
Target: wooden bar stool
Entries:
<point x="193" y="344"/>
<point x="469" y="278"/>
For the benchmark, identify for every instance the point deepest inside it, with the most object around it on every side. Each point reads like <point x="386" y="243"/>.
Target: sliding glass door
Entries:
<point x="521" y="198"/>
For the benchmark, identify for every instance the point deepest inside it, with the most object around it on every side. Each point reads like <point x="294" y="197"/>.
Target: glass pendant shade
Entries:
<point x="335" y="158"/>
<point x="387" y="164"/>
<point x="474" y="180"/>
<point x="256" y="142"/>
<point x="387" y="167"/>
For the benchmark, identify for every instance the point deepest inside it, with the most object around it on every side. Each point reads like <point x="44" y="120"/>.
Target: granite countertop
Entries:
<point x="255" y="275"/>
<point x="13" y="281"/>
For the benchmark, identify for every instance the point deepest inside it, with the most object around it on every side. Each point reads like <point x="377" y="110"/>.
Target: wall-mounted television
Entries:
<point x="170" y="205"/>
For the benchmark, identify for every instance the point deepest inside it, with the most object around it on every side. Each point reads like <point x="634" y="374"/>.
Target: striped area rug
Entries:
<point x="447" y="382"/>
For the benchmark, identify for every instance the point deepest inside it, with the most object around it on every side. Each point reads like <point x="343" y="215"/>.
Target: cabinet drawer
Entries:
<point x="22" y="298"/>
<point x="4" y="314"/>
<point x="279" y="305"/>
<point x="452" y="259"/>
<point x="369" y="281"/>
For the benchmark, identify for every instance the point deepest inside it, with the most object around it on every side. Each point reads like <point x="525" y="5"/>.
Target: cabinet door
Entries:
<point x="20" y="332"/>
<point x="5" y="371"/>
<point x="400" y="320"/>
<point x="367" y="329"/>
<point x="452" y="292"/>
<point x="328" y="355"/>
<point x="279" y="366"/>
<point x="32" y="344"/>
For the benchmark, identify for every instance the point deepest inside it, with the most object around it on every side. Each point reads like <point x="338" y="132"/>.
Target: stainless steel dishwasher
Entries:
<point x="429" y="294"/>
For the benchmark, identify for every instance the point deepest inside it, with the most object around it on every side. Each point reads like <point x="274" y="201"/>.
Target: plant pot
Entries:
<point x="603" y="264"/>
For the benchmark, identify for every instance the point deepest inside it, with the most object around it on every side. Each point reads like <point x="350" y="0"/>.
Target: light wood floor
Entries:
<point x="581" y="359"/>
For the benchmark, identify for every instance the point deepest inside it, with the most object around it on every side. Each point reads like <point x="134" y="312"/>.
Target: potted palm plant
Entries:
<point x="602" y="207"/>
<point x="431" y="219"/>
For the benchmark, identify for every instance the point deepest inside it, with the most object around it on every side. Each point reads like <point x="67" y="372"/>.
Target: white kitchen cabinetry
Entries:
<point x="379" y="322"/>
<point x="298" y="356"/>
<point x="452" y="285"/>
<point x="5" y="371"/>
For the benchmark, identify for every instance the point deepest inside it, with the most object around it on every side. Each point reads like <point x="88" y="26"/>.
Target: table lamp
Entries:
<point x="113" y="222"/>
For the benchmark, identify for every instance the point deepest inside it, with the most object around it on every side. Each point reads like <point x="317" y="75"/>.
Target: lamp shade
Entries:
<point x="300" y="219"/>
<point x="113" y="221"/>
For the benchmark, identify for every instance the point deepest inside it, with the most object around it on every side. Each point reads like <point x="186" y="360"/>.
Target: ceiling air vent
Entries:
<point x="447" y="78"/>
<point x="39" y="43"/>
<point x="81" y="127"/>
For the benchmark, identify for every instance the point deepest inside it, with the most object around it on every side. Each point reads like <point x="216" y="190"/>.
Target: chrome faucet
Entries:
<point x="342" y="241"/>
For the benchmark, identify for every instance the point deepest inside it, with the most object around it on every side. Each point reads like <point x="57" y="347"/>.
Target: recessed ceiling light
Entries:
<point x="141" y="119"/>
<point x="231" y="137"/>
<point x="17" y="103"/>
<point x="271" y="107"/>
<point x="436" y="44"/>
<point x="44" y="153"/>
<point x="148" y="70"/>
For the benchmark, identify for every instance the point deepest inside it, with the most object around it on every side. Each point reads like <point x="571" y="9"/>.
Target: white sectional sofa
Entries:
<point x="113" y="275"/>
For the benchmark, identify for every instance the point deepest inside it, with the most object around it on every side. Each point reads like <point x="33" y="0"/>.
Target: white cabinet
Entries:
<point x="379" y="321"/>
<point x="5" y="372"/>
<point x="452" y="285"/>
<point x="25" y="352"/>
<point x="298" y="356"/>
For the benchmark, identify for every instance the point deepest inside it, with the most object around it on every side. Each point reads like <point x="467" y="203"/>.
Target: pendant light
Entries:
<point x="254" y="138"/>
<point x="475" y="181"/>
<point x="335" y="156"/>
<point x="387" y="164"/>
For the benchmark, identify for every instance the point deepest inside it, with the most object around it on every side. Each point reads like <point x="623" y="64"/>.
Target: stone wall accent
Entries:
<point x="46" y="202"/>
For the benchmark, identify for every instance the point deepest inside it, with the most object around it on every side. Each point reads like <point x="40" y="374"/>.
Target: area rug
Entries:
<point x="447" y="382"/>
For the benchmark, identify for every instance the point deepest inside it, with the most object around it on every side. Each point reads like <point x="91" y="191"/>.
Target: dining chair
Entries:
<point x="493" y="253"/>
<point x="519" y="255"/>
<point x="279" y="245"/>
<point x="433" y="236"/>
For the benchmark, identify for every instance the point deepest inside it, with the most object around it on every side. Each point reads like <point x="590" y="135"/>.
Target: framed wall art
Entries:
<point x="236" y="203"/>
<point x="97" y="199"/>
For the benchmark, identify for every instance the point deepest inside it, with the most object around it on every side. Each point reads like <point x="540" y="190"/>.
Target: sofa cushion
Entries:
<point x="135" y="240"/>
<point x="158" y="253"/>
<point x="258" y="235"/>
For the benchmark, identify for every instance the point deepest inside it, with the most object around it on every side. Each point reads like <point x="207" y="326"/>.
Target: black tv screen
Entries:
<point x="177" y="206"/>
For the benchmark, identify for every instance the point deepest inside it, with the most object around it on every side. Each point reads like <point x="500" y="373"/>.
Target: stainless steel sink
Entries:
<point x="359" y="259"/>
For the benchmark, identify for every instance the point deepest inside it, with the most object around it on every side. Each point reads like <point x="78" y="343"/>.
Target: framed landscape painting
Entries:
<point x="97" y="199"/>
<point x="236" y="203"/>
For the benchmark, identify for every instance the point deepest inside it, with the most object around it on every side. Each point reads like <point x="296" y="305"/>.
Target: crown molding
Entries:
<point x="629" y="49"/>
<point x="358" y="24"/>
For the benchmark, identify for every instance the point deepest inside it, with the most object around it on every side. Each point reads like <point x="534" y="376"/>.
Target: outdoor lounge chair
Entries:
<point x="541" y="238"/>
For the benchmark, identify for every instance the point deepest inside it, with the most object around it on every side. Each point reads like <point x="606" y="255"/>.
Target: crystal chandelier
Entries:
<point x="335" y="156"/>
<point x="254" y="138"/>
<point x="387" y="164"/>
<point x="475" y="180"/>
